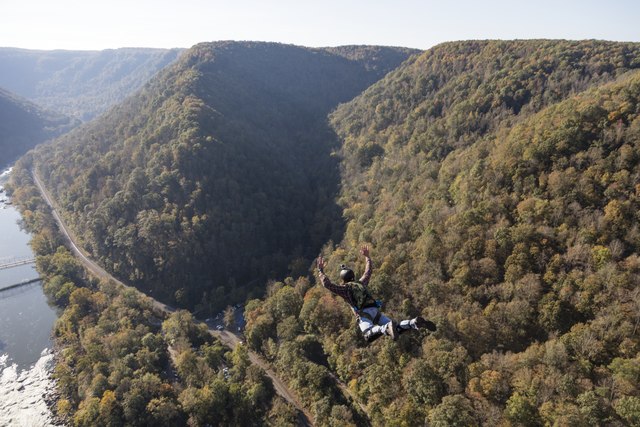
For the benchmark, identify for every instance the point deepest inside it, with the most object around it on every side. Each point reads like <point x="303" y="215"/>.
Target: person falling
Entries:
<point x="371" y="321"/>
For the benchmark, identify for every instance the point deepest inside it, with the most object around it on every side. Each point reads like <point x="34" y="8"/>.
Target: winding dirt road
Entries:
<point x="226" y="337"/>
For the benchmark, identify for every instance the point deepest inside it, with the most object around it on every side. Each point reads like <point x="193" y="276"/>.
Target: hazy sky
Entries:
<point x="92" y="24"/>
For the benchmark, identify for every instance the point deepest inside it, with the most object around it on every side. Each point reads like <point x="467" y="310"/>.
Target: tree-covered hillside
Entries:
<point x="497" y="184"/>
<point x="80" y="84"/>
<point x="23" y="125"/>
<point x="120" y="361"/>
<point x="219" y="173"/>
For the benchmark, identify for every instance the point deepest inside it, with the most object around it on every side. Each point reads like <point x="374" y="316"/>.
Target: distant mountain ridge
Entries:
<point x="23" y="125"/>
<point x="81" y="84"/>
<point x="218" y="173"/>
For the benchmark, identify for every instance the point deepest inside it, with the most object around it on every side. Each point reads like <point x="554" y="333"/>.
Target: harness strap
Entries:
<point x="374" y="319"/>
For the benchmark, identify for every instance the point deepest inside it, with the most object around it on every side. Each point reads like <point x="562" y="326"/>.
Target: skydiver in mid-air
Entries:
<point x="371" y="321"/>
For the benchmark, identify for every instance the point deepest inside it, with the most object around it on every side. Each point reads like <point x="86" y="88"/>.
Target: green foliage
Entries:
<point x="282" y="413"/>
<point x="455" y="410"/>
<point x="118" y="364"/>
<point x="496" y="184"/>
<point x="425" y="385"/>
<point x="229" y="317"/>
<point x="628" y="407"/>
<point x="23" y="125"/>
<point x="521" y="410"/>
<point x="218" y="174"/>
<point x="181" y="329"/>
<point x="274" y="328"/>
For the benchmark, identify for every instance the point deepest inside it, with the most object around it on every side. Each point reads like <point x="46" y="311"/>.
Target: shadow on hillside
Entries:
<point x="326" y="223"/>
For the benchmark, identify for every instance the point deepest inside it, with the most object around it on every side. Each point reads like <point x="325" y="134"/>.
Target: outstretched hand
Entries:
<point x="364" y="250"/>
<point x="320" y="263"/>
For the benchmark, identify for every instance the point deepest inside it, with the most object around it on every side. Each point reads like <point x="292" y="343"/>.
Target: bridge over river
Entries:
<point x="15" y="262"/>
<point x="6" y="263"/>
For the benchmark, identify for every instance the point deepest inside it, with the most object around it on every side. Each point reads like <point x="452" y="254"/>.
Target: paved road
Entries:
<point x="226" y="337"/>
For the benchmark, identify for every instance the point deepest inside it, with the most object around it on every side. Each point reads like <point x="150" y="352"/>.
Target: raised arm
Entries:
<point x="341" y="291"/>
<point x="369" y="268"/>
<point x="326" y="282"/>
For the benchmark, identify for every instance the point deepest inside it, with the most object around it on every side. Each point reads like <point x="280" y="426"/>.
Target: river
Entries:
<point x="26" y="321"/>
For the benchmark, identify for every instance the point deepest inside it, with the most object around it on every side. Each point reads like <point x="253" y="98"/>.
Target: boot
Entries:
<point x="420" y="322"/>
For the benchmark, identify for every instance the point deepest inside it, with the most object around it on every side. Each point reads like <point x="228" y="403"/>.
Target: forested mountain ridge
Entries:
<point x="497" y="183"/>
<point x="80" y="84"/>
<point x="478" y="85"/>
<point x="23" y="125"/>
<point x="449" y="99"/>
<point x="218" y="173"/>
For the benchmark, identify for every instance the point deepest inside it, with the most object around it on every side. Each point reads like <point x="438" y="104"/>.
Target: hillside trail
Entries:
<point x="227" y="338"/>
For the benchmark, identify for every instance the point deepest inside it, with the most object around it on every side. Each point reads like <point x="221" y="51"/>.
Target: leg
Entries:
<point x="371" y="331"/>
<point x="389" y="326"/>
<point x="416" y="323"/>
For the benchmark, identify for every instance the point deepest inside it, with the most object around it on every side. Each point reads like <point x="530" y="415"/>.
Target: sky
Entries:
<point x="108" y="24"/>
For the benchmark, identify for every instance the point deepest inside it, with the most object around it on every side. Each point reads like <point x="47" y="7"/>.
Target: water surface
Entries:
<point x="26" y="321"/>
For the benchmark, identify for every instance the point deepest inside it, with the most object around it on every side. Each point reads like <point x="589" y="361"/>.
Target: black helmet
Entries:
<point x="346" y="274"/>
